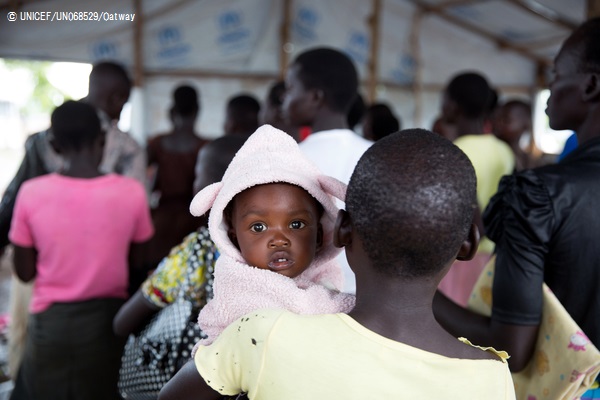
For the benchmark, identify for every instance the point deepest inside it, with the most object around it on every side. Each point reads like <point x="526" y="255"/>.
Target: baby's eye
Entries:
<point x="258" y="227"/>
<point x="297" y="225"/>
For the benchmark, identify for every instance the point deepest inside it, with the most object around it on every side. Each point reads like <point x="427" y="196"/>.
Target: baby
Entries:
<point x="272" y="218"/>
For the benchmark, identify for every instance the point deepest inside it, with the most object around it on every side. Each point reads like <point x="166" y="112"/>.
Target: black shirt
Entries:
<point x="546" y="226"/>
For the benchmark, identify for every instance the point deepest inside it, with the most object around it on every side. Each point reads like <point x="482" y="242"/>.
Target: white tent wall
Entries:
<point x="228" y="46"/>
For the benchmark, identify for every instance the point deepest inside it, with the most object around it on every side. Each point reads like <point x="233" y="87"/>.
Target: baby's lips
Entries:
<point x="280" y="260"/>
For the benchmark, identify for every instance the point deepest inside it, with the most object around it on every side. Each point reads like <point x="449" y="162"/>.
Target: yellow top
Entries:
<point x="492" y="159"/>
<point x="274" y="354"/>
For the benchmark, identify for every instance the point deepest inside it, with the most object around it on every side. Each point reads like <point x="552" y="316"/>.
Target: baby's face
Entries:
<point x="276" y="227"/>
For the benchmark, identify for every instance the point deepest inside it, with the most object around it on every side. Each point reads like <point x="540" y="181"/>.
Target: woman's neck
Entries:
<point x="80" y="166"/>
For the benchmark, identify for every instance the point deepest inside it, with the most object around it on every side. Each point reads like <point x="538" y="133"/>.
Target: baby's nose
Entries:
<point x="279" y="241"/>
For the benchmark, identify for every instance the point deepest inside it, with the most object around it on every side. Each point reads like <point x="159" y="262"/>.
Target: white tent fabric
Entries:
<point x="203" y="41"/>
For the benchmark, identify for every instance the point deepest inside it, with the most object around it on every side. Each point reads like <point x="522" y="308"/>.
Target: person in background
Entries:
<point x="108" y="91"/>
<point x="545" y="222"/>
<point x="356" y="113"/>
<point x="379" y="121"/>
<point x="466" y="104"/>
<point x="511" y="123"/>
<point x="172" y="156"/>
<point x="101" y="222"/>
<point x="272" y="113"/>
<point x="321" y="86"/>
<point x="241" y="115"/>
<point x="444" y="129"/>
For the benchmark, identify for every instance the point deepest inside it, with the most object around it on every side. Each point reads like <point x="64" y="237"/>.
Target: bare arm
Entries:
<point x="187" y="384"/>
<point x="137" y="274"/>
<point x="518" y="340"/>
<point x="25" y="261"/>
<point x="133" y="315"/>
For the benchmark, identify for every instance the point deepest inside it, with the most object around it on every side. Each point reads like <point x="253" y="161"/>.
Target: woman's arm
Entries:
<point x="25" y="260"/>
<point x="187" y="384"/>
<point x="133" y="315"/>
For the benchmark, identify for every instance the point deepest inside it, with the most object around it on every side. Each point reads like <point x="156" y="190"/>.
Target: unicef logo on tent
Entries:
<point x="358" y="47"/>
<point x="305" y="24"/>
<point x="233" y="35"/>
<point x="172" y="47"/>
<point x="404" y="72"/>
<point x="104" y="50"/>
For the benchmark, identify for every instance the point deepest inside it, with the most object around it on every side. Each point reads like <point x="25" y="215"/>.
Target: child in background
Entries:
<point x="419" y="220"/>
<point x="379" y="121"/>
<point x="513" y="120"/>
<point x="272" y="113"/>
<point x="241" y="115"/>
<point x="72" y="232"/>
<point x="272" y="220"/>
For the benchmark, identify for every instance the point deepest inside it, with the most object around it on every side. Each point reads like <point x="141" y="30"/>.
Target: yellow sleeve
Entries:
<point x="233" y="363"/>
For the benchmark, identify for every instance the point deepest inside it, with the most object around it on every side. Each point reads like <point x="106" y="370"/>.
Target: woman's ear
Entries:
<point x="469" y="247"/>
<point x="342" y="232"/>
<point x="592" y="87"/>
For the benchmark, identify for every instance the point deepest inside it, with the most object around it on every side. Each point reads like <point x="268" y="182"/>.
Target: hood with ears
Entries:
<point x="269" y="156"/>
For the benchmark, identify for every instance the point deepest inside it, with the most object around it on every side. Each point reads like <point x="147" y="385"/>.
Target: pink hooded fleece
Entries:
<point x="269" y="156"/>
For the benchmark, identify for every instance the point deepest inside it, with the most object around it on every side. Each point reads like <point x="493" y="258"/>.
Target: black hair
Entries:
<point x="472" y="93"/>
<point x="276" y="93"/>
<point x="356" y="112"/>
<point x="413" y="211"/>
<point x="75" y="125"/>
<point x="383" y="120"/>
<point x="221" y="152"/>
<point x="332" y="72"/>
<point x="519" y="104"/>
<point x="584" y="41"/>
<point x="244" y="109"/>
<point x="185" y="101"/>
<point x="109" y="69"/>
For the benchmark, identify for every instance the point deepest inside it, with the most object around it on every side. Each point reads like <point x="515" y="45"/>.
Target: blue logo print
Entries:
<point x="358" y="47"/>
<point x="172" y="48"/>
<point x="103" y="50"/>
<point x="305" y="24"/>
<point x="234" y="37"/>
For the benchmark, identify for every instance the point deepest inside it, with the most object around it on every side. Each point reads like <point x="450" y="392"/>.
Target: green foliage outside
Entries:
<point x="45" y="96"/>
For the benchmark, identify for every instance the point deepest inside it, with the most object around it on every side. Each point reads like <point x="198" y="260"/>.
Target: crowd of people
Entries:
<point x="324" y="251"/>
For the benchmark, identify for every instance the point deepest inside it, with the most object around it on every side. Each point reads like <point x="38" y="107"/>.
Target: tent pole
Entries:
<point x="138" y="67"/>
<point x="373" y="65"/>
<point x="415" y="51"/>
<point x="284" y="35"/>
<point x="138" y="124"/>
<point x="593" y="8"/>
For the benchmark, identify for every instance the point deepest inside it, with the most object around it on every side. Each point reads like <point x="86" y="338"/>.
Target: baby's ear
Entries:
<point x="233" y="237"/>
<point x="204" y="199"/>
<point x="469" y="247"/>
<point x="332" y="186"/>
